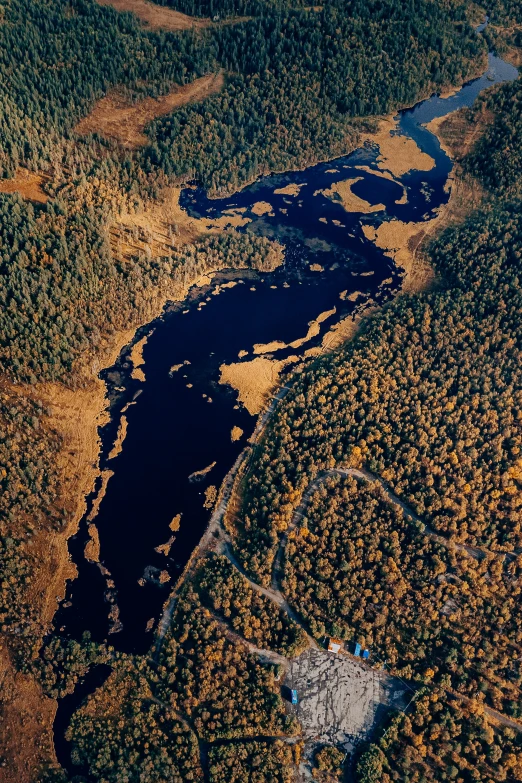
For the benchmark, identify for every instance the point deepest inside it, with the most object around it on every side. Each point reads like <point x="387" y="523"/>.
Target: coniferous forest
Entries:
<point x="427" y="397"/>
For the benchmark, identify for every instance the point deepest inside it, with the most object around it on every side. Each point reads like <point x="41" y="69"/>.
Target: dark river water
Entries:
<point x="180" y="422"/>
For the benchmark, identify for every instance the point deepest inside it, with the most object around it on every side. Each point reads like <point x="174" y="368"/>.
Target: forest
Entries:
<point x="427" y="398"/>
<point x="165" y="715"/>
<point x="301" y="79"/>
<point x="300" y="85"/>
<point x="361" y="570"/>
<point x="441" y="739"/>
<point x="256" y="618"/>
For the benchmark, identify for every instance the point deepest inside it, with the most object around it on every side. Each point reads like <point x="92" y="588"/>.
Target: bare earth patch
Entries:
<point x="28" y="184"/>
<point x="116" y="118"/>
<point x="338" y="697"/>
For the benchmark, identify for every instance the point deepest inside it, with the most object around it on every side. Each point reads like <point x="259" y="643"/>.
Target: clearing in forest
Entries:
<point x="116" y="118"/>
<point x="157" y="17"/>
<point x="27" y="183"/>
<point x="339" y="698"/>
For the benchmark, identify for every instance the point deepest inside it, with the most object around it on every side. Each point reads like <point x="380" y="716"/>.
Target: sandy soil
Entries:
<point x="157" y="17"/>
<point x="116" y="118"/>
<point x="351" y="203"/>
<point x="28" y="184"/>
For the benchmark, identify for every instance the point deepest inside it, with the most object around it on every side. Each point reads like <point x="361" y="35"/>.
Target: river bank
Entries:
<point x="90" y="422"/>
<point x="295" y="209"/>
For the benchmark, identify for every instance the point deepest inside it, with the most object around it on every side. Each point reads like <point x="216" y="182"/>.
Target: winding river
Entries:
<point x="179" y="417"/>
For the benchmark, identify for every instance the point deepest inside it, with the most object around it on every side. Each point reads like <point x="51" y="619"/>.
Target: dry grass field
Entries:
<point x="116" y="118"/>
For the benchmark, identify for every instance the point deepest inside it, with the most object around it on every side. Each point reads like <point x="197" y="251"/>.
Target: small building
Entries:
<point x="334" y="645"/>
<point x="295" y="700"/>
<point x="357" y="650"/>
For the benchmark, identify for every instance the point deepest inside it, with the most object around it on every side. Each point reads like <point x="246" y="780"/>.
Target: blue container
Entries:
<point x="366" y="654"/>
<point x="294" y="697"/>
<point x="357" y="650"/>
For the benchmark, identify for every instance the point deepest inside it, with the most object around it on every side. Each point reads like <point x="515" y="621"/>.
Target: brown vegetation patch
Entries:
<point x="388" y="176"/>
<point x="343" y="330"/>
<point x="236" y="434"/>
<point x="200" y="474"/>
<point x="157" y="17"/>
<point x="289" y="190"/>
<point x="137" y="359"/>
<point x="275" y="345"/>
<point x="254" y="380"/>
<point x="28" y="184"/>
<point x="313" y="328"/>
<point x="116" y="118"/>
<point x="210" y="497"/>
<point x="261" y="208"/>
<point x="92" y="547"/>
<point x="342" y="191"/>
<point x="398" y="154"/>
<point x="457" y="132"/>
<point x="401" y="241"/>
<point x="26" y="724"/>
<point x="120" y="437"/>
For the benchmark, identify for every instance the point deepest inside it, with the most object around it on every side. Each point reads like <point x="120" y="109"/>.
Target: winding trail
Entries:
<point x="219" y="540"/>
<point x="363" y="475"/>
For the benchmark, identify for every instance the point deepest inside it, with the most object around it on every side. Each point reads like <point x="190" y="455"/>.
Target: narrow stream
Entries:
<point x="179" y="421"/>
